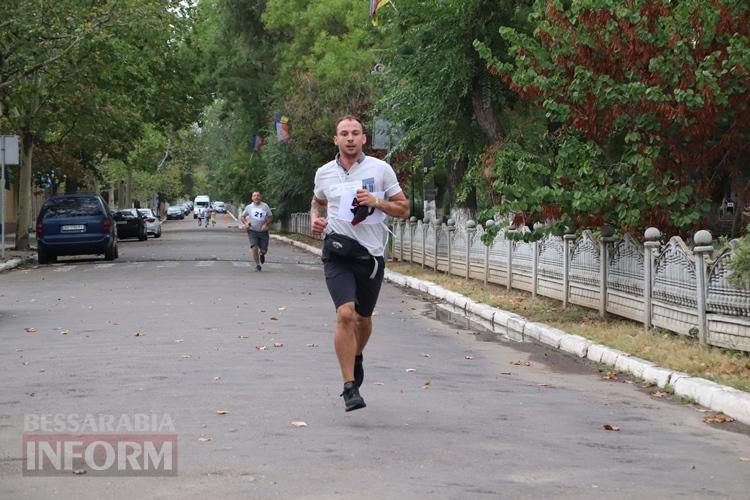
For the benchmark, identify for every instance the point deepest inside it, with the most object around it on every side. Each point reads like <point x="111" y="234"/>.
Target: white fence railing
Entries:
<point x="668" y="286"/>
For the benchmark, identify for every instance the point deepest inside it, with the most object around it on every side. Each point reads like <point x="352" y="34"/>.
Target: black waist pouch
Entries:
<point x="344" y="246"/>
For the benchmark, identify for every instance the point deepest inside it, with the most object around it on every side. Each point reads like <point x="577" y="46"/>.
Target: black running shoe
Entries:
<point x="359" y="370"/>
<point x="352" y="399"/>
<point x="262" y="259"/>
<point x="257" y="268"/>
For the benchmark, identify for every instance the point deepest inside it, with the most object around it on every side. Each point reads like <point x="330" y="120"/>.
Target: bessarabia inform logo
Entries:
<point x="99" y="444"/>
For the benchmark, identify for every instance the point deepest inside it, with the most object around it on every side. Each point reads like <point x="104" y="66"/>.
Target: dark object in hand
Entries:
<point x="361" y="212"/>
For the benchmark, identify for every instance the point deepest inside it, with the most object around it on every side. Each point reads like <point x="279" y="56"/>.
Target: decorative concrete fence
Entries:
<point x="668" y="286"/>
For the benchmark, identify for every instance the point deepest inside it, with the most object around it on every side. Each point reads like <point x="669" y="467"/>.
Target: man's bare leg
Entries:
<point x="345" y="339"/>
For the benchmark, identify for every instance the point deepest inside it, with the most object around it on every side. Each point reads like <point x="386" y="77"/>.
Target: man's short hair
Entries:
<point x="349" y="117"/>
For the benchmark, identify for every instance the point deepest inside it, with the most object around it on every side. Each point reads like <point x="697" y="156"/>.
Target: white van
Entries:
<point x="201" y="201"/>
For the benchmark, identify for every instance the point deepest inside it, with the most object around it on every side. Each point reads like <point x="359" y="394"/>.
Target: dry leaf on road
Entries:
<point x="660" y="394"/>
<point x="139" y="333"/>
<point x="378" y="383"/>
<point x="261" y="347"/>
<point x="312" y="345"/>
<point x="299" y="423"/>
<point x="425" y="355"/>
<point x="242" y="337"/>
<point x="506" y="373"/>
<point x="221" y="412"/>
<point x="274" y="318"/>
<point x="469" y="357"/>
<point x="79" y="472"/>
<point x="718" y="419"/>
<point x="186" y="356"/>
<point x="610" y="427"/>
<point x="611" y="376"/>
<point x="426" y="384"/>
<point x="205" y="439"/>
<point x="30" y="329"/>
<point x="521" y="363"/>
<point x="744" y="459"/>
<point x="278" y="344"/>
<point x="411" y="370"/>
<point x="177" y="341"/>
<point x="282" y="308"/>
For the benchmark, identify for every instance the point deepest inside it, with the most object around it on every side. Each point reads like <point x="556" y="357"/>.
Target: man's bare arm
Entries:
<point x="395" y="206"/>
<point x="318" y="213"/>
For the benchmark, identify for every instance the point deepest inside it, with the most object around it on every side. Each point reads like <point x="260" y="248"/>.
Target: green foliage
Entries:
<point x="648" y="107"/>
<point x="740" y="263"/>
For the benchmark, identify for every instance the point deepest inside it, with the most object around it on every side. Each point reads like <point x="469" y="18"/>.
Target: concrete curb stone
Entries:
<point x="730" y="401"/>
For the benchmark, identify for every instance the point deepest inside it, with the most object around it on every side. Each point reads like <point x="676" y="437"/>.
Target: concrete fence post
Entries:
<point x="703" y="247"/>
<point x="509" y="283"/>
<point x="650" y="247"/>
<point x="436" y="226"/>
<point x="471" y="229"/>
<point x="451" y="232"/>
<point x="568" y="238"/>
<point x="401" y="226"/>
<point x="535" y="263"/>
<point x="607" y="233"/>
<point x="412" y="228"/>
<point x="487" y="226"/>
<point x="425" y="228"/>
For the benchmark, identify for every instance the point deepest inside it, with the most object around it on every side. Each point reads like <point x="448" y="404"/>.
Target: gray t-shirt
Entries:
<point x="257" y="215"/>
<point x="332" y="181"/>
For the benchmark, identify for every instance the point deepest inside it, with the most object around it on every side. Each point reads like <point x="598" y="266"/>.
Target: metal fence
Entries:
<point x="664" y="285"/>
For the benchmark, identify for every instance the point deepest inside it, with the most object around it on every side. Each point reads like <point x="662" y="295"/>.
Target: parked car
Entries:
<point x="175" y="212"/>
<point x="220" y="207"/>
<point x="130" y="224"/>
<point x="153" y="223"/>
<point x="75" y="224"/>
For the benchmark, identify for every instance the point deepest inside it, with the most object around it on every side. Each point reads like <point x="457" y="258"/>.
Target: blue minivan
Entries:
<point x="75" y="224"/>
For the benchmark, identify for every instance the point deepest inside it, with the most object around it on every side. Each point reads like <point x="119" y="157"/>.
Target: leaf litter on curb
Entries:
<point x="718" y="419"/>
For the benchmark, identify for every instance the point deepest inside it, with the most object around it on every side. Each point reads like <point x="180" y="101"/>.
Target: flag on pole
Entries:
<point x="282" y="127"/>
<point x="375" y="5"/>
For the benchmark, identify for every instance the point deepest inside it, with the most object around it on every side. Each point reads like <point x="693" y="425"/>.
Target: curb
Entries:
<point x="13" y="263"/>
<point x="717" y="397"/>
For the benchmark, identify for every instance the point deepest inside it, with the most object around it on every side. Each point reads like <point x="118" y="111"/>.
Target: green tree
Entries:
<point x="649" y="109"/>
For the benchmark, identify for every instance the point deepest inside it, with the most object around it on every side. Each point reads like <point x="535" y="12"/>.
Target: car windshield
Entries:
<point x="145" y="211"/>
<point x="127" y="214"/>
<point x="72" y="207"/>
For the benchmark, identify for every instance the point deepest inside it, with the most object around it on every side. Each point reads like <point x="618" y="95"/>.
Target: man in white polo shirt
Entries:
<point x="352" y="197"/>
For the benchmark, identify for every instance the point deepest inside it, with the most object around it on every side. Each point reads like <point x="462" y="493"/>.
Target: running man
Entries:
<point x="359" y="192"/>
<point x="256" y="217"/>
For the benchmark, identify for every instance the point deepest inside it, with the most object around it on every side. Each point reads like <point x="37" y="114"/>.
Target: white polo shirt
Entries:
<point x="332" y="182"/>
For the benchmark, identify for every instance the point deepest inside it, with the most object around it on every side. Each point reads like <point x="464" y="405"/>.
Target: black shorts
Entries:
<point x="348" y="280"/>
<point x="258" y="238"/>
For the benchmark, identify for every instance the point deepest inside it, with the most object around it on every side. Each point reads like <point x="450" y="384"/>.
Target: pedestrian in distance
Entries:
<point x="352" y="198"/>
<point x="213" y="217"/>
<point x="205" y="215"/>
<point x="257" y="217"/>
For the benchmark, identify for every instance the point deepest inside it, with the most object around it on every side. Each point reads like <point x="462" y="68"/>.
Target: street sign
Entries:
<point x="8" y="156"/>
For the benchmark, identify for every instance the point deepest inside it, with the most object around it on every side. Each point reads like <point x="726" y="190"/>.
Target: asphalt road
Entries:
<point x="449" y="414"/>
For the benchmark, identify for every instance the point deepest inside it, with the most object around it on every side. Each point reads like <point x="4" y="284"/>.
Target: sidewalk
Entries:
<point x="14" y="258"/>
<point x="717" y="397"/>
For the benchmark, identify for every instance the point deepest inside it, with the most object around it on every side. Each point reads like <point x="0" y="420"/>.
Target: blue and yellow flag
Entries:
<point x="374" y="6"/>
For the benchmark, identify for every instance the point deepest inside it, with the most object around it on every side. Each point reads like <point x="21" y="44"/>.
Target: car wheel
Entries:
<point x="42" y="256"/>
<point x="143" y="236"/>
<point x="157" y="235"/>
<point x="111" y="252"/>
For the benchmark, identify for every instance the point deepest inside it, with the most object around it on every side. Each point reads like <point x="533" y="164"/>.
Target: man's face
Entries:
<point x="350" y="138"/>
<point x="256" y="197"/>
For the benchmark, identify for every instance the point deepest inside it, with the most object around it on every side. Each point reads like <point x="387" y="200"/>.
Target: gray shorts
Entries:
<point x="259" y="239"/>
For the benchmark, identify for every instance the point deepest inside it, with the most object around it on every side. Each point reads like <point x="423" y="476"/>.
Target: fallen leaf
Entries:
<point x="610" y="427"/>
<point x="425" y="355"/>
<point x="411" y="370"/>
<point x="718" y="419"/>
<point x="470" y="357"/>
<point x="660" y="394"/>
<point x="521" y="363"/>
<point x="25" y="363"/>
<point x="278" y="344"/>
<point x="186" y="356"/>
<point x="611" y="376"/>
<point x="299" y="423"/>
<point x="222" y="412"/>
<point x="378" y="383"/>
<point x="205" y="439"/>
<point x="261" y="347"/>
<point x="30" y="329"/>
<point x="78" y="472"/>
<point x="139" y="333"/>
<point x="744" y="459"/>
<point x="426" y="384"/>
<point x="217" y="378"/>
<point x="242" y="336"/>
<point x="312" y="345"/>
<point x="65" y="332"/>
<point x="543" y="385"/>
<point x="506" y="373"/>
<point x="282" y="308"/>
<point x="179" y="340"/>
<point x="274" y="318"/>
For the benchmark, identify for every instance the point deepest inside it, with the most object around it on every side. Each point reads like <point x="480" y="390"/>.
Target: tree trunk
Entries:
<point x="23" y="220"/>
<point x="485" y="115"/>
